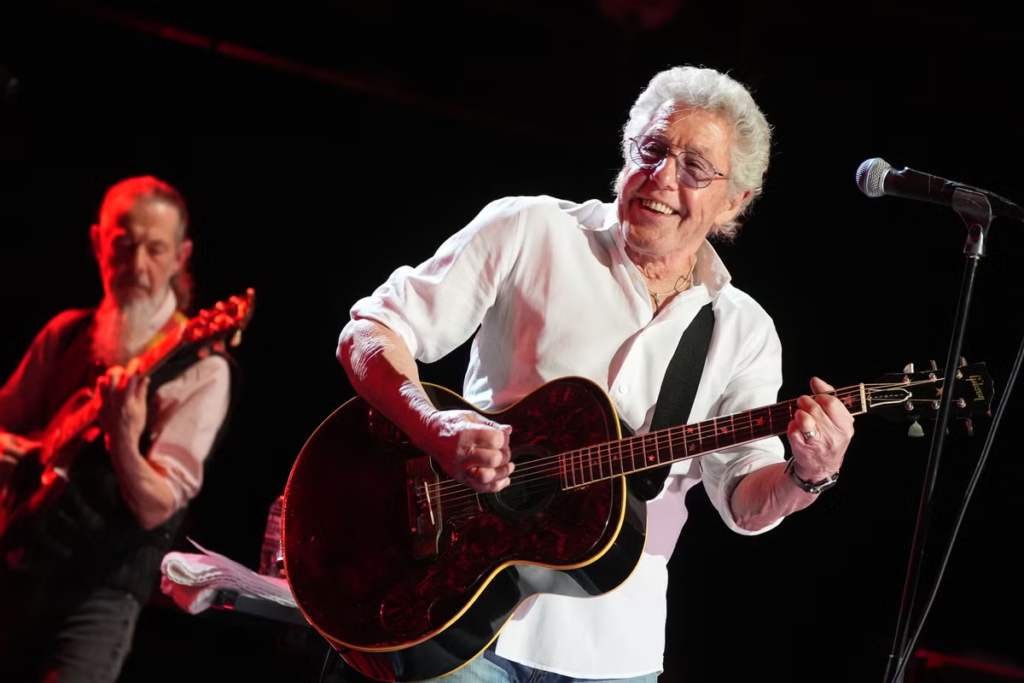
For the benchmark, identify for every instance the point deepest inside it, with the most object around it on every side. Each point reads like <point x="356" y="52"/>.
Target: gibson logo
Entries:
<point x="977" y="382"/>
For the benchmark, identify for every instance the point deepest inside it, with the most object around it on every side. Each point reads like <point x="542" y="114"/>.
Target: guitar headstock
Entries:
<point x="910" y="396"/>
<point x="212" y="325"/>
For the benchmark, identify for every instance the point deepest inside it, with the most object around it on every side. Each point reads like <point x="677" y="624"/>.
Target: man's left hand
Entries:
<point x="123" y="410"/>
<point x="819" y="433"/>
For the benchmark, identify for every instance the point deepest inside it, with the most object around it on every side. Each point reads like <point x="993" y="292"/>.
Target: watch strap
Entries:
<point x="810" y="486"/>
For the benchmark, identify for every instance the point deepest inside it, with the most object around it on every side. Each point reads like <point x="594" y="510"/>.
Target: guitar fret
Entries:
<point x="647" y="441"/>
<point x="659" y="448"/>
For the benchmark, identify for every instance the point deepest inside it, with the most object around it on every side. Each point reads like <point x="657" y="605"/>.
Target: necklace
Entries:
<point x="685" y="280"/>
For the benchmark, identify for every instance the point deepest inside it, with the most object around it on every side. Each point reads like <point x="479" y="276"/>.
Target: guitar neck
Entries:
<point x="674" y="444"/>
<point x="75" y="422"/>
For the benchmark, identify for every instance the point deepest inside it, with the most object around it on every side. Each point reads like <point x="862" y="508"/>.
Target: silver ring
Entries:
<point x="810" y="434"/>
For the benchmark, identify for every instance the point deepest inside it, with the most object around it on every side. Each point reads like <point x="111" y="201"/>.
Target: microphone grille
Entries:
<point x="870" y="175"/>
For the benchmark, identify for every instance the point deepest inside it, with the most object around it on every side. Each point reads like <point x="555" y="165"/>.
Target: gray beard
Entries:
<point x="121" y="332"/>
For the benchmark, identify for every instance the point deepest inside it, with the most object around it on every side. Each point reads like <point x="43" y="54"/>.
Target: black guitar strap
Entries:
<point x="678" y="390"/>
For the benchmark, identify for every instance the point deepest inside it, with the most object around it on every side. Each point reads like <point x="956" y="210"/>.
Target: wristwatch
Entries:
<point x="811" y="486"/>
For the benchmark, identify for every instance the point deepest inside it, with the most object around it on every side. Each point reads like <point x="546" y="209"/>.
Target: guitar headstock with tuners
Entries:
<point x="212" y="325"/>
<point x="204" y="332"/>
<point x="911" y="397"/>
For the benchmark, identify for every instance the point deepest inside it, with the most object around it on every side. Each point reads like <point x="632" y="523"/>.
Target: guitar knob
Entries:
<point x="915" y="429"/>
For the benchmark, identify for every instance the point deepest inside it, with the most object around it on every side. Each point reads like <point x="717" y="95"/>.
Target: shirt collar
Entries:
<point x="710" y="271"/>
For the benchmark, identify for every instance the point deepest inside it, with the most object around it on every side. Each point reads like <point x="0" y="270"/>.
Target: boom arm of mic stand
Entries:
<point x="975" y="210"/>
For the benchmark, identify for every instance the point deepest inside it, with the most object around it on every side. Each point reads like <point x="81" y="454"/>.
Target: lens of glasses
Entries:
<point x="692" y="169"/>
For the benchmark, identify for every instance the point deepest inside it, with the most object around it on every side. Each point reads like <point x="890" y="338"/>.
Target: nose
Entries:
<point x="665" y="173"/>
<point x="139" y="259"/>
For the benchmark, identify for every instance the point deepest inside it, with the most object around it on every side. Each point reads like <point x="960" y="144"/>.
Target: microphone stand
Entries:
<point x="976" y="211"/>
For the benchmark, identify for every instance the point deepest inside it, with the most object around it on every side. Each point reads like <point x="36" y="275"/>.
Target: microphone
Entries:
<point x="875" y="177"/>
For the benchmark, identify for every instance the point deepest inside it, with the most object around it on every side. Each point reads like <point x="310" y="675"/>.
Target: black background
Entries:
<point x="352" y="139"/>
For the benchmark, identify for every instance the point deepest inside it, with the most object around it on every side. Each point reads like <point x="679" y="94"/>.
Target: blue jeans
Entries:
<point x="490" y="668"/>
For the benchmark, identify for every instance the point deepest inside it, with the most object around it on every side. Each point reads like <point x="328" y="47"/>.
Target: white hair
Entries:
<point x="694" y="87"/>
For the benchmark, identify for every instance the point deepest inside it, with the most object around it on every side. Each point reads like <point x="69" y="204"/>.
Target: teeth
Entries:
<point x="657" y="206"/>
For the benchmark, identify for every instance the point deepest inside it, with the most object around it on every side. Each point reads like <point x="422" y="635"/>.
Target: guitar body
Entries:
<point x="40" y="478"/>
<point x="410" y="575"/>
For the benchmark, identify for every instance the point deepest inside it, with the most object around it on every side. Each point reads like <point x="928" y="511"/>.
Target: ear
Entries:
<point x="184" y="253"/>
<point x="94" y="236"/>
<point x="732" y="208"/>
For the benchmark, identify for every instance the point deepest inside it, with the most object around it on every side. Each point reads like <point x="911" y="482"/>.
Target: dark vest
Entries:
<point x="89" y="538"/>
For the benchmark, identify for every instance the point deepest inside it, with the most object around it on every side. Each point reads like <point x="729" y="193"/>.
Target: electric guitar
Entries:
<point x="39" y="478"/>
<point x="409" y="574"/>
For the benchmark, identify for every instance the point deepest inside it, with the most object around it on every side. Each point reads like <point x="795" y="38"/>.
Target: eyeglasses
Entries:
<point x="692" y="170"/>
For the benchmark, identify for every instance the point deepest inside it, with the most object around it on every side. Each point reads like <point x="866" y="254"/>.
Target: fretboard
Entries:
<point x="77" y="421"/>
<point x="673" y="444"/>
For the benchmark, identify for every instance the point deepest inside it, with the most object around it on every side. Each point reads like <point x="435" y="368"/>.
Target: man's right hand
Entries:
<point x="13" y="447"/>
<point x="472" y="449"/>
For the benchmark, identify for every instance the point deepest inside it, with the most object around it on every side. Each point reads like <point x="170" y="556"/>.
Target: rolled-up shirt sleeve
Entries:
<point x="189" y="412"/>
<point x="755" y="385"/>
<point x="439" y="304"/>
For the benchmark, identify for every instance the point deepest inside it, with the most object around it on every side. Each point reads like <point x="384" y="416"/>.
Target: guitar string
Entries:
<point x="610" y="456"/>
<point x="670" y="436"/>
<point x="543" y="470"/>
<point x="542" y="466"/>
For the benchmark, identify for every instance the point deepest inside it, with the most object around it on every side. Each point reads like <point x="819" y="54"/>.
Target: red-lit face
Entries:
<point x="660" y="215"/>
<point x="137" y="249"/>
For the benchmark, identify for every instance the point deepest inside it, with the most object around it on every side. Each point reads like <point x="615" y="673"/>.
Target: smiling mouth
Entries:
<point x="657" y="207"/>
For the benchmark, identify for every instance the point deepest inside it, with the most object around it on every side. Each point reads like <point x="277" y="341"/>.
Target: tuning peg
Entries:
<point x="933" y="365"/>
<point x="908" y="368"/>
<point x="963" y="362"/>
<point x="236" y="338"/>
<point x="969" y="426"/>
<point x="915" y="429"/>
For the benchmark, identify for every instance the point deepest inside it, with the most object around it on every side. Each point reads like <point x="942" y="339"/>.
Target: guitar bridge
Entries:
<point x="422" y="493"/>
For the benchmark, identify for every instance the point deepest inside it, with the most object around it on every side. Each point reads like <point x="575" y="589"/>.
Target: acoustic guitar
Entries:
<point x="409" y="574"/>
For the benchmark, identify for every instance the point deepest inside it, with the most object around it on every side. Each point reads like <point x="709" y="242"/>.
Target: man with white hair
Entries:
<point x="604" y="291"/>
<point x="75" y="578"/>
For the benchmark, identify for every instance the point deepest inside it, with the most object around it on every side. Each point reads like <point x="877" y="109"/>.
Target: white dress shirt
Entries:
<point x="549" y="290"/>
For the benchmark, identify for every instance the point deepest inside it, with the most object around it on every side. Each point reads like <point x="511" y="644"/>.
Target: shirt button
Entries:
<point x="623" y="389"/>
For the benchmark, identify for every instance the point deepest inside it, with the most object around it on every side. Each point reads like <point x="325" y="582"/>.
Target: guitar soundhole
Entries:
<point x="534" y="484"/>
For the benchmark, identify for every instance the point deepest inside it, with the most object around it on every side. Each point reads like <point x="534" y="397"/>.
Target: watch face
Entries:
<point x="824" y="485"/>
<point x="812" y="486"/>
<point x="821" y="487"/>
